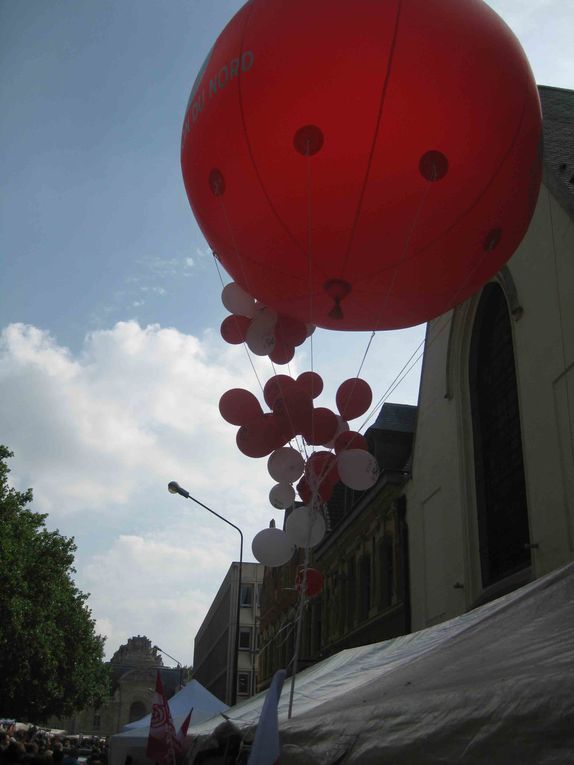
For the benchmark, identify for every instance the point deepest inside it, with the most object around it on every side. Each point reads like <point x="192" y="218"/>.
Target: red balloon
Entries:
<point x="234" y="329"/>
<point x="282" y="353"/>
<point x="311" y="382"/>
<point x="353" y="398"/>
<point x="275" y="387"/>
<point x="426" y="114"/>
<point x="350" y="439"/>
<point x="321" y="468"/>
<point x="258" y="438"/>
<point x="313" y="582"/>
<point x="324" y="492"/>
<point x="322" y="427"/>
<point x="239" y="407"/>
<point x="291" y="331"/>
<point x="296" y="406"/>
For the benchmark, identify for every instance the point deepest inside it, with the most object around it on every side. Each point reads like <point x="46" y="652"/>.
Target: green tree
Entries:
<point x="51" y="660"/>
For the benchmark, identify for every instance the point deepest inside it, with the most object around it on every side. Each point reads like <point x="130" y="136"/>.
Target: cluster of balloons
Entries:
<point x="265" y="332"/>
<point x="378" y="216"/>
<point x="344" y="457"/>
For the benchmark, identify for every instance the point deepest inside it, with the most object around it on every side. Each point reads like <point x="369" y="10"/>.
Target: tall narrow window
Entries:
<point x="499" y="470"/>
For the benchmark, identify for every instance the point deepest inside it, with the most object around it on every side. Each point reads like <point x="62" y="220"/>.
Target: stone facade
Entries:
<point x="133" y="670"/>
<point x="363" y="561"/>
<point x="491" y="501"/>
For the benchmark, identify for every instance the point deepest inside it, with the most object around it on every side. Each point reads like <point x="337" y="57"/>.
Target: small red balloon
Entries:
<point x="321" y="467"/>
<point x="258" y="438"/>
<point x="282" y="353"/>
<point x="311" y="382"/>
<point x="296" y="406"/>
<point x="239" y="407"/>
<point x="322" y="428"/>
<point x="275" y="387"/>
<point x="353" y="398"/>
<point x="350" y="439"/>
<point x="234" y="329"/>
<point x="291" y="331"/>
<point x="313" y="582"/>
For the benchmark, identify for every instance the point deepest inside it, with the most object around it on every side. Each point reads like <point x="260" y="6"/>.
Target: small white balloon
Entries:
<point x="260" y="340"/>
<point x="266" y="318"/>
<point x="358" y="469"/>
<point x="238" y="301"/>
<point x="285" y="465"/>
<point x="272" y="547"/>
<point x="305" y="527"/>
<point x="282" y="496"/>
<point x="342" y="427"/>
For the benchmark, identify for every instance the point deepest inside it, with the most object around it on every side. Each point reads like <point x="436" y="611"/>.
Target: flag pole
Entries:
<point x="302" y="600"/>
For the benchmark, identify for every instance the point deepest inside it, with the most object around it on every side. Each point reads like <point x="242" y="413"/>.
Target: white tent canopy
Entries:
<point x="495" y="685"/>
<point x="133" y="738"/>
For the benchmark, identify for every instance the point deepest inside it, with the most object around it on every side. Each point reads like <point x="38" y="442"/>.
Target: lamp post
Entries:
<point x="175" y="488"/>
<point x="179" y="664"/>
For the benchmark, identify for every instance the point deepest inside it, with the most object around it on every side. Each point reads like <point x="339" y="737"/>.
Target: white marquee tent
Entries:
<point x="495" y="686"/>
<point x="133" y="738"/>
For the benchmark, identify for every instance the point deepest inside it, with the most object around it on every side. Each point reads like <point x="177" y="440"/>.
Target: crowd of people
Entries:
<point x="39" y="747"/>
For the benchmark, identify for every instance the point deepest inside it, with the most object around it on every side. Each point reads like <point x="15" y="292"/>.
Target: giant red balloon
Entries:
<point x="362" y="164"/>
<point x="259" y="437"/>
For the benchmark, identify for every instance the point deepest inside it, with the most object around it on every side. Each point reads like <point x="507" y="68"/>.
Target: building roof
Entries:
<point x="558" y="123"/>
<point x="399" y="418"/>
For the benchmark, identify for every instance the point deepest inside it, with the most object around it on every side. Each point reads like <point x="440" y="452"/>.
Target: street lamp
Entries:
<point x="179" y="664"/>
<point x="175" y="488"/>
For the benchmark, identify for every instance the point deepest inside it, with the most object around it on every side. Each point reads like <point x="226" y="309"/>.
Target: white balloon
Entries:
<point x="265" y="318"/>
<point x="305" y="527"/>
<point x="237" y="301"/>
<point x="282" y="496"/>
<point x="358" y="469"/>
<point x="285" y="465"/>
<point x="260" y="340"/>
<point x="272" y="547"/>
<point x="342" y="427"/>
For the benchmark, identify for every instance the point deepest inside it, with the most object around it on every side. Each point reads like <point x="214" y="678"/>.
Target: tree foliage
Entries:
<point x="51" y="660"/>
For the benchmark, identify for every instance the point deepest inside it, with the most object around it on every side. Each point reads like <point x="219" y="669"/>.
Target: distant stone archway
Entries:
<point x="137" y="711"/>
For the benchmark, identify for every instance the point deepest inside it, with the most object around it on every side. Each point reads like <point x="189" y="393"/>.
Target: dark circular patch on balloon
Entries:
<point x="492" y="239"/>
<point x="216" y="182"/>
<point x="433" y="165"/>
<point x="308" y="140"/>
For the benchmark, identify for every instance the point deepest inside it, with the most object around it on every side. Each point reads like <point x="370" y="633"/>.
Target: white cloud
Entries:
<point x="98" y="435"/>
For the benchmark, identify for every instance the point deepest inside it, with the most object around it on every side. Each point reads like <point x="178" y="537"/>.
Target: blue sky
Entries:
<point x="111" y="365"/>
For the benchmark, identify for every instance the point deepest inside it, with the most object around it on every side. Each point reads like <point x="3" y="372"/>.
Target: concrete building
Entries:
<point x="491" y="502"/>
<point x="214" y="653"/>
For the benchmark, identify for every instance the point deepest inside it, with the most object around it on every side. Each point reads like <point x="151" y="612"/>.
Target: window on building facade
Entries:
<point x="246" y="595"/>
<point x="351" y="593"/>
<point x="499" y="469"/>
<point x="243" y="683"/>
<point x="245" y="638"/>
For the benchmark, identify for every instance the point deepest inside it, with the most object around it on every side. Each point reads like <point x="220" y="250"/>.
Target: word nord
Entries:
<point x="217" y="82"/>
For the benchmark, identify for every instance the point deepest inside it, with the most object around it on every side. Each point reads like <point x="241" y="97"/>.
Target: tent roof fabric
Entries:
<point x="204" y="704"/>
<point x="495" y="685"/>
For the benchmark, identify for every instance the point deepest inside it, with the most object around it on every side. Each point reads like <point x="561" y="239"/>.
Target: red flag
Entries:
<point x="161" y="742"/>
<point x="182" y="733"/>
<point x="266" y="749"/>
